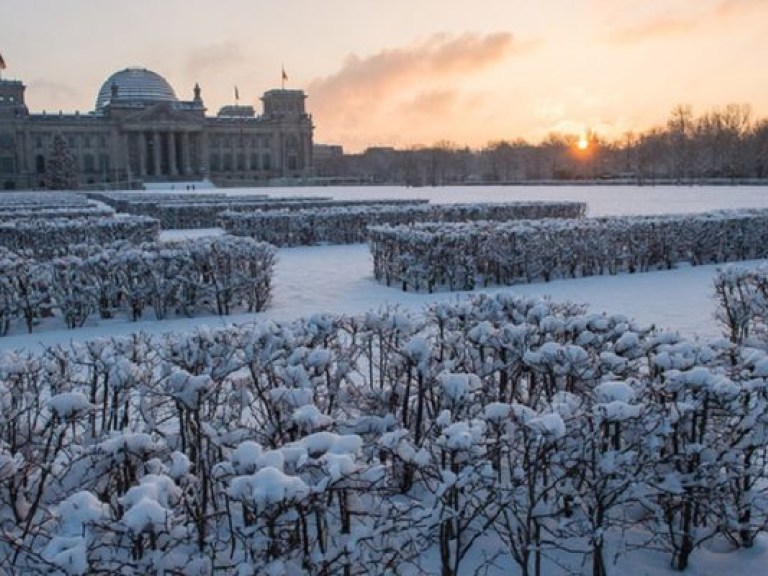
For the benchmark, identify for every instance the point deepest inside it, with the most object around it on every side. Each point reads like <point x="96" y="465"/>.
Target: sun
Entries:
<point x="583" y="143"/>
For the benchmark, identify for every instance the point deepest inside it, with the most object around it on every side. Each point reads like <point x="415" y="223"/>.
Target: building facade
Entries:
<point x="141" y="132"/>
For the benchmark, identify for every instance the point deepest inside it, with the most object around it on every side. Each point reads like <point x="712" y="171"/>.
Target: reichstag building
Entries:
<point x="141" y="132"/>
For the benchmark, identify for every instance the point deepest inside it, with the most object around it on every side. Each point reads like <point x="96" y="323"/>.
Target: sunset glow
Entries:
<point x="583" y="143"/>
<point x="414" y="73"/>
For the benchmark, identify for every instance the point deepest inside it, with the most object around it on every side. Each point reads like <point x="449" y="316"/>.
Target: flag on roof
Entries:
<point x="285" y="76"/>
<point x="237" y="94"/>
<point x="2" y="63"/>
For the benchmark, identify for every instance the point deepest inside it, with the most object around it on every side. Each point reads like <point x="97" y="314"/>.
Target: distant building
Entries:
<point x="141" y="132"/>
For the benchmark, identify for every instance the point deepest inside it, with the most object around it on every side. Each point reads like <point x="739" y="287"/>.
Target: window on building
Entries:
<point x="6" y="166"/>
<point x="241" y="161"/>
<point x="104" y="164"/>
<point x="39" y="141"/>
<point x="227" y="162"/>
<point x="6" y="140"/>
<point x="89" y="165"/>
<point x="255" y="161"/>
<point x="266" y="162"/>
<point x="40" y="164"/>
<point x="215" y="165"/>
<point x="86" y="141"/>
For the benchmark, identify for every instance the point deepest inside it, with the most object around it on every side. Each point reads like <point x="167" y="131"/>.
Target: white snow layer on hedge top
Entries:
<point x="457" y="387"/>
<point x="149" y="506"/>
<point x="77" y="514"/>
<point x="42" y="200"/>
<point x="343" y="444"/>
<point x="615" y="391"/>
<point x="349" y="225"/>
<point x="463" y="256"/>
<point x="187" y="210"/>
<point x="7" y="214"/>
<point x="220" y="275"/>
<point x="551" y="426"/>
<point x="69" y="405"/>
<point x="267" y="487"/>
<point x="51" y="237"/>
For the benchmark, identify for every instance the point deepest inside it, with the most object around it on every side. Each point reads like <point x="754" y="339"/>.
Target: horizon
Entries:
<point x="412" y="75"/>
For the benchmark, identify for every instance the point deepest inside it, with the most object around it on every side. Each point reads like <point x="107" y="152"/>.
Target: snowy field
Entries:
<point x="340" y="279"/>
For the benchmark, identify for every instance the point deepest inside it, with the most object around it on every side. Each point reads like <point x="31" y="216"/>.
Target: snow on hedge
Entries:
<point x="463" y="256"/>
<point x="349" y="224"/>
<point x="339" y="445"/>
<point x="42" y="200"/>
<point x="218" y="275"/>
<point x="46" y="238"/>
<point x="193" y="210"/>
<point x="48" y="213"/>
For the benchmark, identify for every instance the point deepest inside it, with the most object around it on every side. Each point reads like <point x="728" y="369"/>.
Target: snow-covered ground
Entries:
<point x="339" y="278"/>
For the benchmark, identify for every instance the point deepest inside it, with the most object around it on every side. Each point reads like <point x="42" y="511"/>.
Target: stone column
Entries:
<point x="156" y="153"/>
<point x="125" y="153"/>
<point x="143" y="143"/>
<point x="204" y="154"/>
<point x="185" y="165"/>
<point x="173" y="167"/>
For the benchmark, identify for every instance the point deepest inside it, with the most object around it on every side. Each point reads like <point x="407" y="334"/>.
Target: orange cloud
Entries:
<point x="738" y="7"/>
<point x="697" y="15"/>
<point x="438" y="56"/>
<point x="402" y="85"/>
<point x="653" y="30"/>
<point x="434" y="103"/>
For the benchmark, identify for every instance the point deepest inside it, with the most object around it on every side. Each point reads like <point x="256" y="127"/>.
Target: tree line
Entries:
<point x="723" y="145"/>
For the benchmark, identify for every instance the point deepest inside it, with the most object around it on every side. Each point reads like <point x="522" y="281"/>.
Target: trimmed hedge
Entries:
<point x="349" y="225"/>
<point x="208" y="215"/>
<point x="189" y="211"/>
<point x="48" y="213"/>
<point x="124" y="201"/>
<point x="42" y="200"/>
<point x="216" y="275"/>
<point x="337" y="445"/>
<point x="49" y="238"/>
<point x="463" y="256"/>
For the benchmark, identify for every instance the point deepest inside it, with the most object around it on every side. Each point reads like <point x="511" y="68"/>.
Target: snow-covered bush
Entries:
<point x="336" y="445"/>
<point x="10" y="214"/>
<point x="29" y="200"/>
<point x="349" y="224"/>
<point x="48" y="238"/>
<point x="462" y="256"/>
<point x="217" y="275"/>
<point x="741" y="293"/>
<point x="202" y="210"/>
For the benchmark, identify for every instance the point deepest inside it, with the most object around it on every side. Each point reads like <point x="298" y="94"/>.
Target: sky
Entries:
<point x="408" y="72"/>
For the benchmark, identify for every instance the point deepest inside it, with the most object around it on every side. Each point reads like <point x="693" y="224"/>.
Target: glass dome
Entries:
<point x="135" y="85"/>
